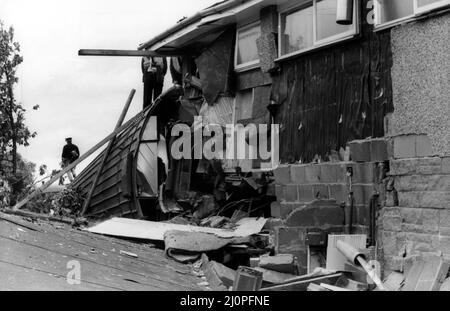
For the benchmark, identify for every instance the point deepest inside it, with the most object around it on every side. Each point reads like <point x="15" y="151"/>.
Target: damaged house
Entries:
<point x="360" y="91"/>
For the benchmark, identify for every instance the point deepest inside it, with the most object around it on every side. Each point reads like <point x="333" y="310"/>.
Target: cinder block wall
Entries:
<point x="298" y="186"/>
<point x="416" y="218"/>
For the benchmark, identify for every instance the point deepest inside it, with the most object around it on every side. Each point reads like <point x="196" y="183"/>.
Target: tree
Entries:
<point x="13" y="131"/>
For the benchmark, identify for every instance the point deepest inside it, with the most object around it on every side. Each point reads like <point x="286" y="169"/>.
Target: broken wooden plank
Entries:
<point x="132" y="53"/>
<point x="303" y="284"/>
<point x="316" y="288"/>
<point x="335" y="288"/>
<point x="87" y="202"/>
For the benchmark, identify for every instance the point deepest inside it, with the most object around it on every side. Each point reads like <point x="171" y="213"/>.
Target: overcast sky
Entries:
<point x="82" y="96"/>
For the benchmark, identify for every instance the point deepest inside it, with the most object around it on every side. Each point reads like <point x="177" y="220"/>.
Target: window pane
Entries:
<point x="421" y="3"/>
<point x="297" y="30"/>
<point x="395" y="9"/>
<point x="326" y="20"/>
<point x="247" y="49"/>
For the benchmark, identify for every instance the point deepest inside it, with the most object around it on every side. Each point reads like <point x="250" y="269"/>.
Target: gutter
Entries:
<point x="190" y="20"/>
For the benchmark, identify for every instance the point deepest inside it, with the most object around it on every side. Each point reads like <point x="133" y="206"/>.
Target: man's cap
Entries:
<point x="68" y="138"/>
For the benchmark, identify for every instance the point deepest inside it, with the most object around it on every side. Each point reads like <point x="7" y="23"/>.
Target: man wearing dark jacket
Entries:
<point x="69" y="155"/>
<point x="153" y="71"/>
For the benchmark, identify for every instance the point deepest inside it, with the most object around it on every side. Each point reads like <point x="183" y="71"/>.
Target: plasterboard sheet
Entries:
<point x="150" y="230"/>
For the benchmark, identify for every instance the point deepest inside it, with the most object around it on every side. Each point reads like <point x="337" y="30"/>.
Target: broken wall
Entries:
<point x="415" y="220"/>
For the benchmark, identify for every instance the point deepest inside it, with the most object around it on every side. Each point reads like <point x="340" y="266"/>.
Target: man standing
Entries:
<point x="69" y="155"/>
<point x="153" y="71"/>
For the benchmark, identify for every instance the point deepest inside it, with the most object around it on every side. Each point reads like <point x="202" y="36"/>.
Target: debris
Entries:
<point x="394" y="281"/>
<point x="426" y="275"/>
<point x="130" y="254"/>
<point x="151" y="230"/>
<point x="301" y="283"/>
<point x="358" y="258"/>
<point x="217" y="274"/>
<point x="274" y="277"/>
<point x="445" y="287"/>
<point x="334" y="288"/>
<point x="284" y="263"/>
<point x="335" y="259"/>
<point x="214" y="221"/>
<point x="312" y="287"/>
<point x="247" y="279"/>
<point x="350" y="284"/>
<point x="254" y="262"/>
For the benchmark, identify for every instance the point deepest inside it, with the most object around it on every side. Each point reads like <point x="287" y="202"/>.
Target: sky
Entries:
<point x="82" y="96"/>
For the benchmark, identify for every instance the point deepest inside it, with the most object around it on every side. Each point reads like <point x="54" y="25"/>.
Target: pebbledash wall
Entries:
<point x="416" y="217"/>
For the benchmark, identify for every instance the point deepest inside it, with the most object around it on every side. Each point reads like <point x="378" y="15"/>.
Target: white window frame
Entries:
<point x="417" y="12"/>
<point x="354" y="31"/>
<point x="248" y="65"/>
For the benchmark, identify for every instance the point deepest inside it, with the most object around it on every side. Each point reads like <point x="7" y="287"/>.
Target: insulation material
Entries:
<point x="335" y="259"/>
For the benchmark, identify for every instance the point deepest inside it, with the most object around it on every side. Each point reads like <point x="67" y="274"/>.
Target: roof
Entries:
<point x="205" y="24"/>
<point x="35" y="256"/>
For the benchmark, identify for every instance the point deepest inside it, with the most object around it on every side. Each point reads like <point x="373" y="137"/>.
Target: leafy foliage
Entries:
<point x="13" y="130"/>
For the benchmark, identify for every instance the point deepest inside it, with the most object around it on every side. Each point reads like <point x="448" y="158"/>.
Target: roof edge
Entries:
<point x="214" y="9"/>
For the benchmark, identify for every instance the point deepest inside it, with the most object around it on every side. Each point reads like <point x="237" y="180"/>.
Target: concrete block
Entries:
<point x="287" y="208"/>
<point x="312" y="174"/>
<point x="279" y="192"/>
<point x="364" y="173"/>
<point x="321" y="191"/>
<point x="423" y="146"/>
<point x="405" y="146"/>
<point x="338" y="192"/>
<point x="275" y="209"/>
<point x="423" y="183"/>
<point x="284" y="263"/>
<point x="362" y="215"/>
<point x="329" y="172"/>
<point x="290" y="193"/>
<point x="362" y="194"/>
<point x="428" y="199"/>
<point x="411" y="215"/>
<point x="282" y="174"/>
<point x="392" y="223"/>
<point x="271" y="223"/>
<point x="318" y="214"/>
<point x="379" y="150"/>
<point x="305" y="193"/>
<point x="425" y="166"/>
<point x="291" y="241"/>
<point x="298" y="174"/>
<point x="360" y="150"/>
<point x="446" y="165"/>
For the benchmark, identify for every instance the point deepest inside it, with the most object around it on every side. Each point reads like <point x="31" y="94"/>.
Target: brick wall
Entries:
<point x="416" y="218"/>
